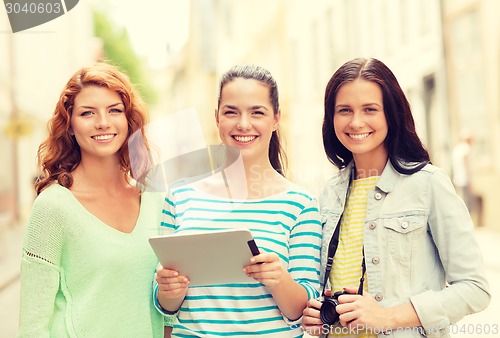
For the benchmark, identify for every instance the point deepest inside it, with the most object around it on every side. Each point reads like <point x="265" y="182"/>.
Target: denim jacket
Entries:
<point x="419" y="247"/>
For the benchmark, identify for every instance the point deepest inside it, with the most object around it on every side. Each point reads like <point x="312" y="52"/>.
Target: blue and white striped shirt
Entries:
<point x="286" y="223"/>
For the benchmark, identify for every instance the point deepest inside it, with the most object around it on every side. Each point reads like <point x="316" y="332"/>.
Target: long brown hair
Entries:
<point x="60" y="154"/>
<point x="277" y="155"/>
<point x="405" y="149"/>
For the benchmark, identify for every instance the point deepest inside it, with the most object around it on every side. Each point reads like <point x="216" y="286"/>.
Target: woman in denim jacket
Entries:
<point x="424" y="268"/>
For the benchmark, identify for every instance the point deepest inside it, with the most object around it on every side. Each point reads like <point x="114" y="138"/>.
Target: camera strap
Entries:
<point x="334" y="241"/>
<point x="332" y="248"/>
<point x="333" y="245"/>
<point x="363" y="270"/>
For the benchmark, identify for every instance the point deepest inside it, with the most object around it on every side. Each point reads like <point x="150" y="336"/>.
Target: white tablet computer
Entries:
<point x="207" y="258"/>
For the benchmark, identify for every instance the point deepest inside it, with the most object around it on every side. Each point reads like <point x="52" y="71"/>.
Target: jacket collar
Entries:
<point x="342" y="184"/>
<point x="386" y="183"/>
<point x="388" y="179"/>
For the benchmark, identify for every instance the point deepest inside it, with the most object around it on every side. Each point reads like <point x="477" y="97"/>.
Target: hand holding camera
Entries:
<point x="328" y="311"/>
<point x="321" y="313"/>
<point x="349" y="312"/>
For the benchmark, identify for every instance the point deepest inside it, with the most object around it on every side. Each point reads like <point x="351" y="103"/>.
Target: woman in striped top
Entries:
<point x="282" y="217"/>
<point x="398" y="216"/>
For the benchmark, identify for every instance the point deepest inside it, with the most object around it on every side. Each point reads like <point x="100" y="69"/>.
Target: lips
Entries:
<point x="359" y="136"/>
<point x="104" y="137"/>
<point x="244" y="139"/>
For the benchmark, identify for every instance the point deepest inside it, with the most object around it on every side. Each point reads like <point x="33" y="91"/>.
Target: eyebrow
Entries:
<point x="229" y="106"/>
<point x="364" y="105"/>
<point x="258" y="107"/>
<point x="110" y="106"/>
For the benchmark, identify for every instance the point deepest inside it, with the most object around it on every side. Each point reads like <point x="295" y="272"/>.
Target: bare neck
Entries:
<point x="99" y="175"/>
<point x="369" y="166"/>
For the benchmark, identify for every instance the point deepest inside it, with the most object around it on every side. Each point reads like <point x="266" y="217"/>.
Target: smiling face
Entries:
<point x="246" y="118"/>
<point x="99" y="122"/>
<point x="359" y="120"/>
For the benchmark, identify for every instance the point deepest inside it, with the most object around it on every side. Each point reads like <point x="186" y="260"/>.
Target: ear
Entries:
<point x="71" y="132"/>
<point x="216" y="116"/>
<point x="277" y="118"/>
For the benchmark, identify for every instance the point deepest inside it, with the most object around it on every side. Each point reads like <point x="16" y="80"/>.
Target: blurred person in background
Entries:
<point x="282" y="217"/>
<point x="398" y="248"/>
<point x="462" y="174"/>
<point x="461" y="170"/>
<point x="86" y="260"/>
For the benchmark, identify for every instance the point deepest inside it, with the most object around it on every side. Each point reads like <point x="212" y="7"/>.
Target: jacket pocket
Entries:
<point x="403" y="234"/>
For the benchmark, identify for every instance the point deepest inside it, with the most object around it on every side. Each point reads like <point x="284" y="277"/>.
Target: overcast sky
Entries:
<point x="152" y="25"/>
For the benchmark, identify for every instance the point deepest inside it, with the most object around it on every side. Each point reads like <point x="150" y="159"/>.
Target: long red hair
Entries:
<point x="60" y="154"/>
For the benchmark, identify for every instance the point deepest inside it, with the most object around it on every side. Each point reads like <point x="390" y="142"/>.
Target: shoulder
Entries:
<point x="430" y="178"/>
<point x="52" y="208"/>
<point x="331" y="186"/>
<point x="334" y="179"/>
<point x="53" y="196"/>
<point x="428" y="170"/>
<point x="432" y="173"/>
<point x="153" y="198"/>
<point x="295" y="191"/>
<point x="438" y="178"/>
<point x="187" y="189"/>
<point x="431" y="169"/>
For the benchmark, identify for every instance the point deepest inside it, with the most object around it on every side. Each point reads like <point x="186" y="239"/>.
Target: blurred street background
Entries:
<point x="445" y="54"/>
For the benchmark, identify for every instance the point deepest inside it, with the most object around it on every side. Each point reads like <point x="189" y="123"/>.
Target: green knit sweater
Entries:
<point x="82" y="278"/>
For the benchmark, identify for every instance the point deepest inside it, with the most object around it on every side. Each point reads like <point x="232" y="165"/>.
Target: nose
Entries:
<point x="102" y="121"/>
<point x="244" y="123"/>
<point x="356" y="120"/>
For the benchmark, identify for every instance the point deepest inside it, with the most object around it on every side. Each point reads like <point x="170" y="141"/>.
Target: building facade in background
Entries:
<point x="444" y="53"/>
<point x="35" y="65"/>
<point x="472" y="58"/>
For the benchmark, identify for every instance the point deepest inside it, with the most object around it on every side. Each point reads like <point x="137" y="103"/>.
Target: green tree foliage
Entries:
<point x="118" y="51"/>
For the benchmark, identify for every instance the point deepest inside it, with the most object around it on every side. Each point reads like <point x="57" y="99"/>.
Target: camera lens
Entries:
<point x="328" y="312"/>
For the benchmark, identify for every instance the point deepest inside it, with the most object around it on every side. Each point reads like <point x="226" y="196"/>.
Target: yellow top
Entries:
<point x="346" y="268"/>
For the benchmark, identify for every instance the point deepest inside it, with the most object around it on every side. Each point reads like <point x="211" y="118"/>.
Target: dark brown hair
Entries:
<point x="405" y="150"/>
<point x="277" y="155"/>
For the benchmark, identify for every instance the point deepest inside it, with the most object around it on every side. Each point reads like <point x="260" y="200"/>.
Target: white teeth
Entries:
<point x="359" y="136"/>
<point x="103" y="137"/>
<point x="244" y="139"/>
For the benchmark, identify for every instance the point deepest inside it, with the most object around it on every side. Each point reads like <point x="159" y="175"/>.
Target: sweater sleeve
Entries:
<point x="305" y="247"/>
<point x="167" y="226"/>
<point x="40" y="266"/>
<point x="168" y="217"/>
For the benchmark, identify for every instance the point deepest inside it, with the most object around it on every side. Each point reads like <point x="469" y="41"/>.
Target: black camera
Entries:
<point x="328" y="311"/>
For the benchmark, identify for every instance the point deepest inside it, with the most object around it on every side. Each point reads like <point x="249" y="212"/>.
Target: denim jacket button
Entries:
<point x="375" y="260"/>
<point x="378" y="196"/>
<point x="372" y="225"/>
<point x="378" y="297"/>
<point x="404" y="225"/>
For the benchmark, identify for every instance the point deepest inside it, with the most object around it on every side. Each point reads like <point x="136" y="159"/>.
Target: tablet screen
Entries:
<point x="207" y="258"/>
